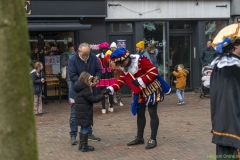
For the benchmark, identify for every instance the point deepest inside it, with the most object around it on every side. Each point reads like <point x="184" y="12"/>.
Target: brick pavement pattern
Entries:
<point x="184" y="132"/>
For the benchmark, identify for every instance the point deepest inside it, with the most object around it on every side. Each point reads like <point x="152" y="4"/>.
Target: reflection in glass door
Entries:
<point x="180" y="53"/>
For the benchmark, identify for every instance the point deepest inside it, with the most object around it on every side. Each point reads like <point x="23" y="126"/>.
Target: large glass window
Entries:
<point x="121" y="27"/>
<point x="47" y="47"/>
<point x="155" y="33"/>
<point x="212" y="28"/>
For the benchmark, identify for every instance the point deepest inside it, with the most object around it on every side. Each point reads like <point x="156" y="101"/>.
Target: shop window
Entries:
<point x="121" y="27"/>
<point x="179" y="25"/>
<point x="155" y="33"/>
<point x="212" y="28"/>
<point x="47" y="47"/>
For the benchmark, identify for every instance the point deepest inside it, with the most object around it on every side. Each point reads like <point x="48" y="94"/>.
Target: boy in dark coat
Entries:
<point x="84" y="100"/>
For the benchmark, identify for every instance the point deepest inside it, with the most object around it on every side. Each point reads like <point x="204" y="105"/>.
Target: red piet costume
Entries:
<point x="143" y="70"/>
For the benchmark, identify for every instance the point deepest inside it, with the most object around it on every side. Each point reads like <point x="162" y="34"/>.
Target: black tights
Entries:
<point x="141" y="120"/>
<point x="110" y="100"/>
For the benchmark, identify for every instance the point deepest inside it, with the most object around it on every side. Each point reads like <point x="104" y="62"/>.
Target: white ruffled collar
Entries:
<point x="133" y="68"/>
<point x="226" y="61"/>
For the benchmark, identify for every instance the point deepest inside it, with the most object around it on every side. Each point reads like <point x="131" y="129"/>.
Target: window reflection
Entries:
<point x="212" y="28"/>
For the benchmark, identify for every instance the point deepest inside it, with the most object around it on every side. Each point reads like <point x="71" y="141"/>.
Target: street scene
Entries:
<point x="120" y="80"/>
<point x="183" y="134"/>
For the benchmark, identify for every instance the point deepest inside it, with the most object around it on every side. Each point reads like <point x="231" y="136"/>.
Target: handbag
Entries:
<point x="64" y="72"/>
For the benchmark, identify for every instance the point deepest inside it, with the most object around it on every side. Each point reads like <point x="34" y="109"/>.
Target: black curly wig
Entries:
<point x="227" y="50"/>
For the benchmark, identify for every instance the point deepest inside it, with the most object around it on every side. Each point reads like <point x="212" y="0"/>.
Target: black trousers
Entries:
<point x="141" y="120"/>
<point x="227" y="153"/>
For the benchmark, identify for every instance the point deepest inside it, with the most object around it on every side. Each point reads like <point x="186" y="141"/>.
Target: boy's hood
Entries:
<point x="184" y="72"/>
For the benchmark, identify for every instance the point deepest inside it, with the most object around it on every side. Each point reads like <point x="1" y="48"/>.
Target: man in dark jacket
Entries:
<point x="82" y="61"/>
<point x="208" y="53"/>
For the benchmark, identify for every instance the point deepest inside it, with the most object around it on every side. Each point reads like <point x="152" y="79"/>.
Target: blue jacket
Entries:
<point x="76" y="66"/>
<point x="38" y="86"/>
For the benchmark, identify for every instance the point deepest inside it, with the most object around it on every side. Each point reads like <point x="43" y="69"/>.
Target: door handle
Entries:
<point x="194" y="52"/>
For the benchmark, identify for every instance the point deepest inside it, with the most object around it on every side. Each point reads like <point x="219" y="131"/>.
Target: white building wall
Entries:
<point x="167" y="9"/>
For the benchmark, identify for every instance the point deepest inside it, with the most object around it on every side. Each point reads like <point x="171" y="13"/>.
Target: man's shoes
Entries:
<point x="110" y="109"/>
<point x="103" y="111"/>
<point x="93" y="138"/>
<point x="151" y="144"/>
<point x="73" y="141"/>
<point x="136" y="141"/>
<point x="182" y="102"/>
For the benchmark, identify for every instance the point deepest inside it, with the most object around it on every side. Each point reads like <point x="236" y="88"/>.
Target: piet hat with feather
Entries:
<point x="226" y="36"/>
<point x="120" y="54"/>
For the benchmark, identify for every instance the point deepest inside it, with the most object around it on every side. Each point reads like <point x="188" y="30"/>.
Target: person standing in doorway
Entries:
<point x="107" y="78"/>
<point x="65" y="56"/>
<point x="116" y="72"/>
<point x="83" y="61"/>
<point x="140" y="48"/>
<point x="208" y="53"/>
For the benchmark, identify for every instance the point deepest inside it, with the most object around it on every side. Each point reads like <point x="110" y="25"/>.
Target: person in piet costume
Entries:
<point x="225" y="93"/>
<point x="148" y="87"/>
<point x="107" y="78"/>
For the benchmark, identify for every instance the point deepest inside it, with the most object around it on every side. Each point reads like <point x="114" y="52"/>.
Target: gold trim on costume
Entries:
<point x="154" y="73"/>
<point x="117" y="86"/>
<point x="226" y="134"/>
<point x="148" y="78"/>
<point x="120" y="81"/>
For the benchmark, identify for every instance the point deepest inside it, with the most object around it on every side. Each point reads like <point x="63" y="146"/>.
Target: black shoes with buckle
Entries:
<point x="136" y="141"/>
<point x="151" y="144"/>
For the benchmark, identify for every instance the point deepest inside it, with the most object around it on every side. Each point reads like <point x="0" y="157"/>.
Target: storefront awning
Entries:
<point x="58" y="27"/>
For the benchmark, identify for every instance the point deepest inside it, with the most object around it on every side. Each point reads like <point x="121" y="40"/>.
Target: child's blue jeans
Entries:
<point x="180" y="95"/>
<point x="84" y="129"/>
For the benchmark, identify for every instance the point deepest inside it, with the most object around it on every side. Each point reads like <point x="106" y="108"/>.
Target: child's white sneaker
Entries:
<point x="110" y="109"/>
<point x="120" y="104"/>
<point x="104" y="111"/>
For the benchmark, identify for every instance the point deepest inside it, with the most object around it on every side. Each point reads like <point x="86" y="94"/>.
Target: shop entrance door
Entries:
<point x="180" y="52"/>
<point x="128" y="39"/>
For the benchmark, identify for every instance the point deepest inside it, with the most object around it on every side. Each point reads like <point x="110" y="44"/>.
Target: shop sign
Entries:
<point x="157" y="43"/>
<point x="27" y="4"/>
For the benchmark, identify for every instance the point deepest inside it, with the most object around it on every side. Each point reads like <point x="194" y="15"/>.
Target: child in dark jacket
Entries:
<point x="38" y="79"/>
<point x="84" y="100"/>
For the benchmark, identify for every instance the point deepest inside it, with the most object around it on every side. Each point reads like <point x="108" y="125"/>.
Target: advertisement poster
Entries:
<point x="52" y="64"/>
<point x="121" y="43"/>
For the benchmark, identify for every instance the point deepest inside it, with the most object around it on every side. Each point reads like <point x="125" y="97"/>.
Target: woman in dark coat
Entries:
<point x="84" y="100"/>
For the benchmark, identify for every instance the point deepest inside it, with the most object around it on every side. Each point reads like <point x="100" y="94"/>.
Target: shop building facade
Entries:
<point x="179" y="29"/>
<point x="53" y="24"/>
<point x="176" y="27"/>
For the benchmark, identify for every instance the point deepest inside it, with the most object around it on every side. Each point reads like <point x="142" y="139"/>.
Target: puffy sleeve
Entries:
<point x="150" y="71"/>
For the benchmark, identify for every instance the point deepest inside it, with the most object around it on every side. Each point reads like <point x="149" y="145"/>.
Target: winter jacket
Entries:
<point x="181" y="79"/>
<point x="65" y="56"/>
<point x="84" y="100"/>
<point x="146" y="54"/>
<point x="76" y="66"/>
<point x="38" y="86"/>
<point x="153" y="57"/>
<point x="207" y="55"/>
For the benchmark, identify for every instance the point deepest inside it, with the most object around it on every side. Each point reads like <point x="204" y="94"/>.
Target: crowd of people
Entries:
<point x="93" y="78"/>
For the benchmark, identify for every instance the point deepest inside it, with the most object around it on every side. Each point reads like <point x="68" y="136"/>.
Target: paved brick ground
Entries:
<point x="184" y="132"/>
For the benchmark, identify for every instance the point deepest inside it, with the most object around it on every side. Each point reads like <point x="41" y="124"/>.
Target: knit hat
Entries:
<point x="226" y="36"/>
<point x="113" y="45"/>
<point x="103" y="45"/>
<point x="140" y="45"/>
<point x="120" y="54"/>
